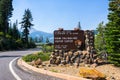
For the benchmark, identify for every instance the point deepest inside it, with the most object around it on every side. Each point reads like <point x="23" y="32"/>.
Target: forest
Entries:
<point x="10" y="37"/>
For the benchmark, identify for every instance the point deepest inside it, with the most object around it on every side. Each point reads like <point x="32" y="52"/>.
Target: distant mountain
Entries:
<point x="36" y="33"/>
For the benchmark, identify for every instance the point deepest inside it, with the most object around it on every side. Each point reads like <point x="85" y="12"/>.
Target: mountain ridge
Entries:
<point x="36" y="33"/>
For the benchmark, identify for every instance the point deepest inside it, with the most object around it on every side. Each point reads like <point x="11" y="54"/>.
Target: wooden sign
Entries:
<point x="69" y="39"/>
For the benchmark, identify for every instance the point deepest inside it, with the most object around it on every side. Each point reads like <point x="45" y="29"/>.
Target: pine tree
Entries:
<point x="6" y="9"/>
<point x="100" y="44"/>
<point x="26" y="25"/>
<point x="79" y="26"/>
<point x="47" y="40"/>
<point x="112" y="35"/>
<point x="16" y="34"/>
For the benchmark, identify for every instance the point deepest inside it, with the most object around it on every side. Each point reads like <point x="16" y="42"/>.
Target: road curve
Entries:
<point x="26" y="74"/>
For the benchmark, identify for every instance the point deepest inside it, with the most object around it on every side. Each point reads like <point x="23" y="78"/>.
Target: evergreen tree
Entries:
<point x="47" y="40"/>
<point x="26" y="25"/>
<point x="79" y="26"/>
<point x="6" y="9"/>
<point x="13" y="31"/>
<point x="16" y="34"/>
<point x="112" y="35"/>
<point x="100" y="44"/>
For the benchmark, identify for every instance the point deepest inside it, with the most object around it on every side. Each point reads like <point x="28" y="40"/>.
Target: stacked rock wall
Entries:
<point x="72" y="57"/>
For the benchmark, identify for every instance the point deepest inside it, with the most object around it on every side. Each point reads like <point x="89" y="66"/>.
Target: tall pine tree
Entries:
<point x="112" y="35"/>
<point x="26" y="25"/>
<point x="6" y="9"/>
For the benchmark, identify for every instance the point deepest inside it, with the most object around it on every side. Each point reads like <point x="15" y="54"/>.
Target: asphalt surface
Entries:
<point x="22" y="72"/>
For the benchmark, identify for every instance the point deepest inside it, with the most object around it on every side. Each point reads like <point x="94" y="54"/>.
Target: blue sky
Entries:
<point x="49" y="15"/>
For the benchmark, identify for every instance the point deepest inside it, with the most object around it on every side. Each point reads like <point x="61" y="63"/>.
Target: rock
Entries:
<point x="43" y="65"/>
<point x="58" y="60"/>
<point x="86" y="61"/>
<point x="40" y="66"/>
<point x="67" y="59"/>
<point x="76" y="65"/>
<point x="38" y="62"/>
<point x="77" y="61"/>
<point x="32" y="63"/>
<point x="61" y="65"/>
<point x="63" y="62"/>
<point x="49" y="65"/>
<point x="70" y="53"/>
<point x="52" y="60"/>
<point x="65" y="55"/>
<point x="83" y="56"/>
<point x="76" y="53"/>
<point x="73" y="58"/>
<point x="91" y="73"/>
<point x="94" y="65"/>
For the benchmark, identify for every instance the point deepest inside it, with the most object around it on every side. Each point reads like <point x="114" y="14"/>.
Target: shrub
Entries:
<point x="41" y="55"/>
<point x="47" y="48"/>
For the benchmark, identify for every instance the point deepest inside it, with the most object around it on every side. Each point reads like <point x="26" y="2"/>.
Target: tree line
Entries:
<point x="108" y="38"/>
<point x="10" y="36"/>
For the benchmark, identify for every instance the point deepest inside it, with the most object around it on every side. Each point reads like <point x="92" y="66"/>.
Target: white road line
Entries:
<point x="12" y="71"/>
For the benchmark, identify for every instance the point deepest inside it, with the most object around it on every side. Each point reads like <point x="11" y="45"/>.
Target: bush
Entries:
<point x="47" y="48"/>
<point x="41" y="55"/>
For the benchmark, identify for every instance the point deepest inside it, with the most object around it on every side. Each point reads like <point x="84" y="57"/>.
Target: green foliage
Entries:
<point x="41" y="55"/>
<point x="26" y="25"/>
<point x="47" y="48"/>
<point x="1" y="34"/>
<point x="112" y="32"/>
<point x="5" y="14"/>
<point x="100" y="44"/>
<point x="19" y="44"/>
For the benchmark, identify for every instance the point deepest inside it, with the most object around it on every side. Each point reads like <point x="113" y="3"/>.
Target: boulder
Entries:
<point x="91" y="73"/>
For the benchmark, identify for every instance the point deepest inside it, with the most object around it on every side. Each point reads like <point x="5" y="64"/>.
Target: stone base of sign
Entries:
<point x="75" y="57"/>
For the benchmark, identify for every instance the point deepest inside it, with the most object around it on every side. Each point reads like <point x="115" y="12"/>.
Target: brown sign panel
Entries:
<point x="68" y="39"/>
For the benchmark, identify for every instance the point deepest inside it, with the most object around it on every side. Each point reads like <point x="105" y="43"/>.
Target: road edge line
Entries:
<point x="12" y="71"/>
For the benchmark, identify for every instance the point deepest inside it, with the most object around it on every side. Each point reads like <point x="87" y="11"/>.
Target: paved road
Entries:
<point x="26" y="74"/>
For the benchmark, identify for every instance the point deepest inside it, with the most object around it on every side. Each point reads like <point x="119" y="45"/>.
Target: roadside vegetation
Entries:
<point x="44" y="54"/>
<point x="10" y="37"/>
<point x="33" y="57"/>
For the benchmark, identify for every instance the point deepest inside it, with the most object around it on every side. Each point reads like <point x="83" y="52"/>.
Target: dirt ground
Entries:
<point x="111" y="72"/>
